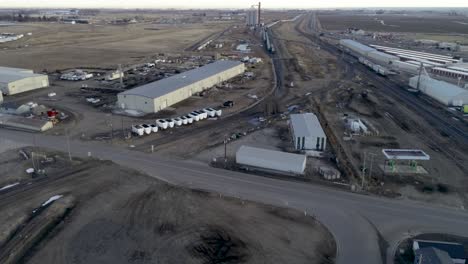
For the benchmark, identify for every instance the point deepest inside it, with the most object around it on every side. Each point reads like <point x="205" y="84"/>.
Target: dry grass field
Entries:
<point x="423" y="23"/>
<point x="59" y="46"/>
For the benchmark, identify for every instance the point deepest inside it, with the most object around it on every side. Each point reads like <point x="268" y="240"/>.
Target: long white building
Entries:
<point x="307" y="133"/>
<point x="271" y="160"/>
<point x="444" y="92"/>
<point x="155" y="96"/>
<point x="15" y="80"/>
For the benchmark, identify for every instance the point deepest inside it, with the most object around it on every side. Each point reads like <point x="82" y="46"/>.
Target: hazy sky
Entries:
<point x="231" y="3"/>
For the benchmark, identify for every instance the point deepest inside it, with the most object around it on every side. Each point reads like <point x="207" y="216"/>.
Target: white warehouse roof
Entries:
<point x="356" y="46"/>
<point x="444" y="92"/>
<point x="173" y="83"/>
<point x="13" y="76"/>
<point x="3" y="69"/>
<point x="306" y="125"/>
<point x="271" y="159"/>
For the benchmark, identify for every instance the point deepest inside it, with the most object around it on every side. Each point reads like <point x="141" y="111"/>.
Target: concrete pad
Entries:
<point x="403" y="169"/>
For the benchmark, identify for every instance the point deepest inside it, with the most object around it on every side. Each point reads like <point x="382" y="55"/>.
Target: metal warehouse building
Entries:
<point x="356" y="47"/>
<point x="155" y="96"/>
<point x="15" y="80"/>
<point x="444" y="92"/>
<point x="271" y="160"/>
<point x="307" y="132"/>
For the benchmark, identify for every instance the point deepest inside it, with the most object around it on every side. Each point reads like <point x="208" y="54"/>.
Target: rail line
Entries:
<point x="417" y="105"/>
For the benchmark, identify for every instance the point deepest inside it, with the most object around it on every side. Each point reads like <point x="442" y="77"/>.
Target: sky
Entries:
<point x="228" y="4"/>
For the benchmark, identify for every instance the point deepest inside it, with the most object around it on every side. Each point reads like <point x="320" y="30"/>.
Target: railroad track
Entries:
<point x="440" y="120"/>
<point x="24" y="189"/>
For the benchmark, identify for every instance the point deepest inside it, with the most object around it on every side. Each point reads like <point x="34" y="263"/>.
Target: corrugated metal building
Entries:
<point x="15" y="80"/>
<point x="25" y="124"/>
<point x="2" y="69"/>
<point x="382" y="58"/>
<point x="444" y="92"/>
<point x="356" y="47"/>
<point x="307" y="132"/>
<point x="271" y="160"/>
<point x="155" y="96"/>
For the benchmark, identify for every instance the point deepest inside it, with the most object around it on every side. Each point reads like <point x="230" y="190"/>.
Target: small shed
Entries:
<point x="271" y="160"/>
<point x="25" y="124"/>
<point x="307" y="132"/>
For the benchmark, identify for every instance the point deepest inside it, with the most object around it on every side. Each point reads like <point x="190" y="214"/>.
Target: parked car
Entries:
<point x="162" y="123"/>
<point x="228" y="104"/>
<point x="147" y="128"/>
<point x="138" y="130"/>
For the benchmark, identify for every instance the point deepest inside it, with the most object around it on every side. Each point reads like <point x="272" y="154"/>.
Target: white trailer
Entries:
<point x="195" y="116"/>
<point x="177" y="121"/>
<point x="147" y="128"/>
<point x="154" y="128"/>
<point x="138" y="130"/>
<point x="170" y="122"/>
<point x="162" y="123"/>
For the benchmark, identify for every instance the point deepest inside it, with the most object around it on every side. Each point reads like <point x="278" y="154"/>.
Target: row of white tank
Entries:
<point x="163" y="124"/>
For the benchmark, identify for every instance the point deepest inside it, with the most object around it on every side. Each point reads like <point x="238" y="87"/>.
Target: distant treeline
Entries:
<point x="27" y="18"/>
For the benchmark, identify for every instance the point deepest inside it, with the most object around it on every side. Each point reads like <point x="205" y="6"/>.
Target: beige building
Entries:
<point x="155" y="96"/>
<point x="14" y="80"/>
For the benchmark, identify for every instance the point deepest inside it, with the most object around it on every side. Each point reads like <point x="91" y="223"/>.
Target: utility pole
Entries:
<point x="121" y="76"/>
<point x="225" y="151"/>
<point x="111" y="128"/>
<point x="372" y="155"/>
<point x="363" y="170"/>
<point x="419" y="76"/>
<point x="32" y="159"/>
<point x="123" y="129"/>
<point x="68" y="145"/>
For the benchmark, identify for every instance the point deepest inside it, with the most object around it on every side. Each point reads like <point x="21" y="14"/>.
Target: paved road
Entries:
<point x="354" y="220"/>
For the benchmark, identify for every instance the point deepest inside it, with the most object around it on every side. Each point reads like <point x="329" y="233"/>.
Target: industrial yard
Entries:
<point x="158" y="102"/>
<point x="370" y="102"/>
